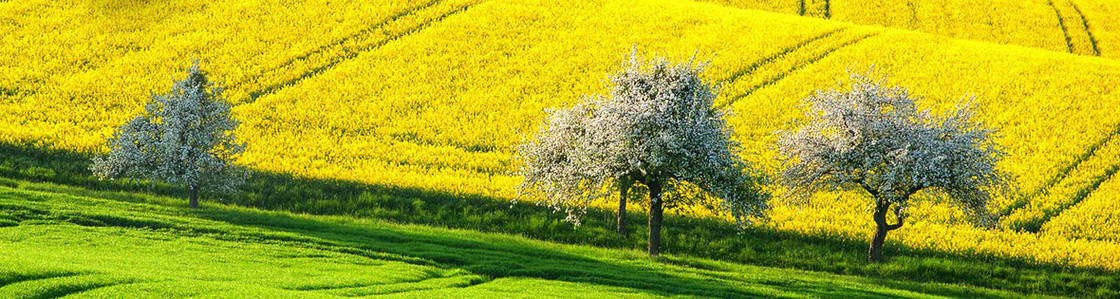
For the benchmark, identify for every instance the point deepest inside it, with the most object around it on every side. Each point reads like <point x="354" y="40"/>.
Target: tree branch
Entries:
<point x="899" y="220"/>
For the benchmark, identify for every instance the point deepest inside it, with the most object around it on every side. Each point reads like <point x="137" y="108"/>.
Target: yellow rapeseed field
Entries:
<point x="1083" y="27"/>
<point x="434" y="94"/>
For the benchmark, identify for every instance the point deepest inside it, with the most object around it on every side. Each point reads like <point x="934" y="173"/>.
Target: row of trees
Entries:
<point x="658" y="127"/>
<point x="658" y="133"/>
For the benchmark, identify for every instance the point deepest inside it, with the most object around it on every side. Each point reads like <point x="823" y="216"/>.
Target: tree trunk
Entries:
<point x="624" y="187"/>
<point x="193" y="190"/>
<point x="654" y="219"/>
<point x="875" y="253"/>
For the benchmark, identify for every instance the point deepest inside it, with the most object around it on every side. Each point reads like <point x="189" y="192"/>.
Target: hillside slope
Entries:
<point x="56" y="244"/>
<point x="432" y="95"/>
<point x="1083" y="27"/>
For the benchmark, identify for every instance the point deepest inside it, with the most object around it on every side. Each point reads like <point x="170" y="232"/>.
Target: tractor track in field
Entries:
<point x="777" y="55"/>
<point x="1062" y="174"/>
<point x="7" y="92"/>
<point x="1080" y="196"/>
<point x="340" y="42"/>
<point x="827" y="9"/>
<point x="821" y="9"/>
<point x="803" y="64"/>
<point x="1068" y="20"/>
<point x="1088" y="31"/>
<point x="1083" y="191"/>
<point x="1062" y="24"/>
<point x="15" y="93"/>
<point x="352" y="53"/>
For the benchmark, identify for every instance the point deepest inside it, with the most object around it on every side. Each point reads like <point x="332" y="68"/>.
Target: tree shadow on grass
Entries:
<point x="494" y="256"/>
<point x="501" y="257"/>
<point x="699" y="237"/>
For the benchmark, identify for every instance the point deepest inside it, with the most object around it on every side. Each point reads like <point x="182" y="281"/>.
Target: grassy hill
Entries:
<point x="686" y="238"/>
<point x="55" y="243"/>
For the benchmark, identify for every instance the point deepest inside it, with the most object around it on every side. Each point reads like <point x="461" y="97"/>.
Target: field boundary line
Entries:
<point x="795" y="68"/>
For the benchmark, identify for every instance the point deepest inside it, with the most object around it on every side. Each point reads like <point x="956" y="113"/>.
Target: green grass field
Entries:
<point x="54" y="242"/>
<point x="66" y="232"/>
<point x="684" y="236"/>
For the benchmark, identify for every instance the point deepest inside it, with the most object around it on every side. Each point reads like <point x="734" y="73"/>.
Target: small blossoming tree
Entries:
<point x="874" y="138"/>
<point x="658" y="128"/>
<point x="183" y="137"/>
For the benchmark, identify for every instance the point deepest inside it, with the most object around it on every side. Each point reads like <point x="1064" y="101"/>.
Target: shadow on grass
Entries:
<point x="500" y="259"/>
<point x="493" y="256"/>
<point x="699" y="237"/>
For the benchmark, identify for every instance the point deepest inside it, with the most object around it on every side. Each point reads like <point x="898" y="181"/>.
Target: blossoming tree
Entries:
<point x="658" y="128"/>
<point x="183" y="137"/>
<point x="874" y="138"/>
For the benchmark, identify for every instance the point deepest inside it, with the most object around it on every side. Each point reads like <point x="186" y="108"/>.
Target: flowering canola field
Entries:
<point x="1083" y="27"/>
<point x="434" y="94"/>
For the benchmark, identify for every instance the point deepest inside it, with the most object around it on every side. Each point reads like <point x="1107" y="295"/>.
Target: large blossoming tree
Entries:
<point x="184" y="137"/>
<point x="873" y="137"/>
<point x="657" y="128"/>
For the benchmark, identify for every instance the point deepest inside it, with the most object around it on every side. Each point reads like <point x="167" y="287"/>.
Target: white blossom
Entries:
<point x="875" y="138"/>
<point x="184" y="137"/>
<point x="657" y="125"/>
